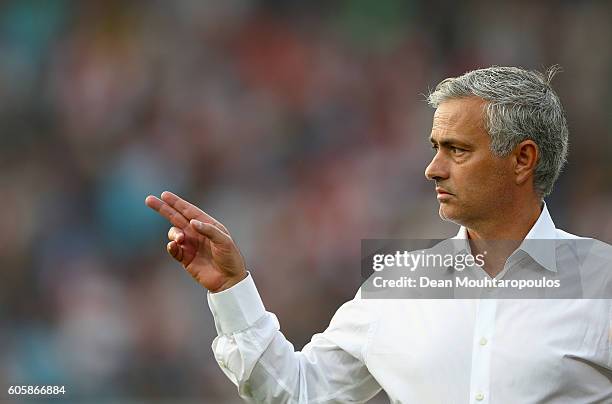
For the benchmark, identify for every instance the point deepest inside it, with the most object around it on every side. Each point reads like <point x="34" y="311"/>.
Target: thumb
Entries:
<point x="212" y="232"/>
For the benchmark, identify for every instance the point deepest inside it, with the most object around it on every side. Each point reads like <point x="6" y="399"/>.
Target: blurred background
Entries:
<point x="300" y="125"/>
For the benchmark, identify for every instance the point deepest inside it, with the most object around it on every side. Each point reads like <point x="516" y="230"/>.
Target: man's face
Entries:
<point x="472" y="184"/>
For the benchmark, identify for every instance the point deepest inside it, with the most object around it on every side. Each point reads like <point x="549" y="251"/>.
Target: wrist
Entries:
<point x="231" y="282"/>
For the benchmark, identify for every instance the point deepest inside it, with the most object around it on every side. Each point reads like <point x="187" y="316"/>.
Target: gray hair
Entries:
<point x="521" y="105"/>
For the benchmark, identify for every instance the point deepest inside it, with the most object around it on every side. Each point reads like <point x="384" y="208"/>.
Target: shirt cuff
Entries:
<point x="237" y="308"/>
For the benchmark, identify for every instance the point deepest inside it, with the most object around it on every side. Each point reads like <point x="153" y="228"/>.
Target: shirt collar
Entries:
<point x="544" y="253"/>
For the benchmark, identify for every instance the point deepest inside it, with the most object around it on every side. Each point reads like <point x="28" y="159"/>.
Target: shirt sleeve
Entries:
<point x="256" y="357"/>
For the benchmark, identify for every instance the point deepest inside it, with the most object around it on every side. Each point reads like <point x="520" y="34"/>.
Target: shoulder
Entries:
<point x="588" y="245"/>
<point x="562" y="234"/>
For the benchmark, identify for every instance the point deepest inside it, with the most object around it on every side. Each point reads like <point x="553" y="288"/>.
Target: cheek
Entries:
<point x="469" y="180"/>
<point x="478" y="183"/>
<point x="492" y="184"/>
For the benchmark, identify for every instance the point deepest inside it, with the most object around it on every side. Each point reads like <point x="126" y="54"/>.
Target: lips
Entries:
<point x="442" y="191"/>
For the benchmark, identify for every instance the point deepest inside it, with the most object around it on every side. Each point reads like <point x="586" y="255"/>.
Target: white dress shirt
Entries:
<point x="424" y="351"/>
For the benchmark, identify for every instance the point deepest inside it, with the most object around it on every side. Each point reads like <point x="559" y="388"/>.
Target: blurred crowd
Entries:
<point x="302" y="126"/>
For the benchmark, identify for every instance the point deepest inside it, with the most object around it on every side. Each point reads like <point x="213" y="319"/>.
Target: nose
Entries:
<point x="437" y="169"/>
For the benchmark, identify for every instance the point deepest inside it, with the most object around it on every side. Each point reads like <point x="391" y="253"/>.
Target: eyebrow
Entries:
<point x="450" y="141"/>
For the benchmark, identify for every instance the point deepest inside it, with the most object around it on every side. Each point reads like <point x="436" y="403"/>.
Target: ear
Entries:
<point x="526" y="156"/>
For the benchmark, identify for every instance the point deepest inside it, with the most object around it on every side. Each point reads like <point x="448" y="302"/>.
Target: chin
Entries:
<point x="449" y="214"/>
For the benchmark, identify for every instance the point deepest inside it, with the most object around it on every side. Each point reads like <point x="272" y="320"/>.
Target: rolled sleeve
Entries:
<point x="237" y="308"/>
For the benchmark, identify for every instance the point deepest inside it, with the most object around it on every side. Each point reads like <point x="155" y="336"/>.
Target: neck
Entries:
<point x="501" y="237"/>
<point x="511" y="223"/>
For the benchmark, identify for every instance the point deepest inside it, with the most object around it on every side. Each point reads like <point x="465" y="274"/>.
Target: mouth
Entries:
<point x="442" y="191"/>
<point x="442" y="194"/>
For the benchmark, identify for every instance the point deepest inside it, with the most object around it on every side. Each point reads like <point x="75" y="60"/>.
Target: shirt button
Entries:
<point x="483" y="341"/>
<point x="479" y="397"/>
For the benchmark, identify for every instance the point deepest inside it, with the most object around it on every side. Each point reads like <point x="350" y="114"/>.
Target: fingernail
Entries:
<point x="197" y="223"/>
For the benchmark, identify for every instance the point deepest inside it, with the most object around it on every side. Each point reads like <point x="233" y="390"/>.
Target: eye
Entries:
<point x="434" y="147"/>
<point x="456" y="150"/>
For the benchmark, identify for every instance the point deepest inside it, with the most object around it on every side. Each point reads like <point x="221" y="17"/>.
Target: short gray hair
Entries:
<point x="521" y="104"/>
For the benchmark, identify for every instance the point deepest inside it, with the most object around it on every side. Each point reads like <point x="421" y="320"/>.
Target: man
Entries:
<point x="500" y="140"/>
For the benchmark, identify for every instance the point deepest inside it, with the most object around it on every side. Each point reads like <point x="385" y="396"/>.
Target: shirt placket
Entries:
<point x="484" y="330"/>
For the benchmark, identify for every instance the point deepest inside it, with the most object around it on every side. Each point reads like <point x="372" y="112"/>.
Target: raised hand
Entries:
<point x="200" y="243"/>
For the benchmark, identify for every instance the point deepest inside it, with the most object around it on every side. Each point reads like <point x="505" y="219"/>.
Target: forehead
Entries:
<point x="459" y="117"/>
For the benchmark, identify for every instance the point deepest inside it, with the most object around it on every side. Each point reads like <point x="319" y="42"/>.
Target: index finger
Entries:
<point x="187" y="209"/>
<point x="166" y="211"/>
